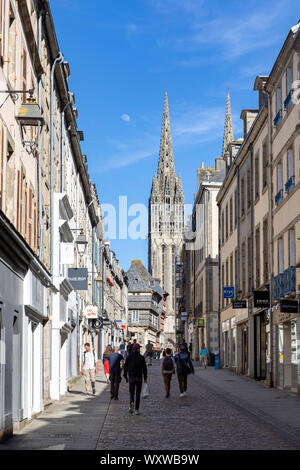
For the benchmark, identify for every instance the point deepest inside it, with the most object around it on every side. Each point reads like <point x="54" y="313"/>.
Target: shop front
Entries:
<point x="226" y="343"/>
<point x="287" y="329"/>
<point x="261" y="345"/>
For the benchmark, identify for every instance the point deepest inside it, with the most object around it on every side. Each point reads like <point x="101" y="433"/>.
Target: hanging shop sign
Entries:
<point x="91" y="312"/>
<point x="228" y="292"/>
<point x="201" y="323"/>
<point x="78" y="278"/>
<point x="183" y="316"/>
<point x="239" y="304"/>
<point x="289" y="306"/>
<point x="261" y="299"/>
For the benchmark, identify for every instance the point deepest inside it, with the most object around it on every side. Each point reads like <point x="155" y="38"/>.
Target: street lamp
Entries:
<point x="81" y="243"/>
<point x="98" y="281"/>
<point x="29" y="116"/>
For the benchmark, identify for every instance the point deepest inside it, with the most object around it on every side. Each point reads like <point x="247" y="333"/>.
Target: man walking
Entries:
<point x="135" y="367"/>
<point x="167" y="370"/>
<point x="149" y="352"/>
<point x="89" y="367"/>
<point x="203" y="354"/>
<point x="184" y="367"/>
<point x="116" y="364"/>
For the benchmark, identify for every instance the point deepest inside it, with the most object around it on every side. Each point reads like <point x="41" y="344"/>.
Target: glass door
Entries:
<point x="294" y="353"/>
<point x="280" y="368"/>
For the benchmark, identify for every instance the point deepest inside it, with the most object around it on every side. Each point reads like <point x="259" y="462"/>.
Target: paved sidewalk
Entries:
<point x="278" y="408"/>
<point x="74" y="422"/>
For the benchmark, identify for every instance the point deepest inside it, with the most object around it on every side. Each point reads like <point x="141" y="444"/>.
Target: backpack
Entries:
<point x="168" y="363"/>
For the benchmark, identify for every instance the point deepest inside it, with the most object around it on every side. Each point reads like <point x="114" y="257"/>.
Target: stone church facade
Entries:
<point x="166" y="224"/>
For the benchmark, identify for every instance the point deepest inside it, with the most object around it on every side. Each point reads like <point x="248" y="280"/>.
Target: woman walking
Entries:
<point x="107" y="352"/>
<point x="167" y="370"/>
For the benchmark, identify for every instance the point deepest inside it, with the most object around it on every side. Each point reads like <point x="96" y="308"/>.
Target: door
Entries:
<point x="280" y="368"/>
<point x="2" y="370"/>
<point x="16" y="370"/>
<point x="245" y="351"/>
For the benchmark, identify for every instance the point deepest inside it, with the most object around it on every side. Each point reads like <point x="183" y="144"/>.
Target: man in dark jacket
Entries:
<point x="184" y="367"/>
<point x="135" y="367"/>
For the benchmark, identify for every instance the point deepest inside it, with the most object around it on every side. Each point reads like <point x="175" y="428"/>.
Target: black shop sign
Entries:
<point x="261" y="299"/>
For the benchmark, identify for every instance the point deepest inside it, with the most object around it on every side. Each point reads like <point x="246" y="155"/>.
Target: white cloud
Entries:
<point x="125" y="117"/>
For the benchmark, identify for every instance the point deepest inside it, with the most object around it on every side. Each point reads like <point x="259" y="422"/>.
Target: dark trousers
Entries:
<point x="114" y="384"/>
<point x="182" y="381"/>
<point x="135" y="387"/>
<point x="167" y="381"/>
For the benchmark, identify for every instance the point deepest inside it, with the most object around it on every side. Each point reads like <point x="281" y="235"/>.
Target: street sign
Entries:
<point x="201" y="323"/>
<point x="106" y="322"/>
<point x="228" y="292"/>
<point x="91" y="311"/>
<point x="289" y="306"/>
<point x="183" y="316"/>
<point x="261" y="299"/>
<point x="239" y="304"/>
<point x="97" y="324"/>
<point x="78" y="278"/>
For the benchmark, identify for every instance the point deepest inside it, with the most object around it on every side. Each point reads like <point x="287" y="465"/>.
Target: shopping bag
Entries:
<point x="145" y="392"/>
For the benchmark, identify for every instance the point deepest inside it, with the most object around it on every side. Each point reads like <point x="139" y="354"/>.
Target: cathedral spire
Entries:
<point x="166" y="167"/>
<point x="228" y="130"/>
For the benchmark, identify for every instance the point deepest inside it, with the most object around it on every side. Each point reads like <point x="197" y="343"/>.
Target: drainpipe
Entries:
<point x="57" y="61"/>
<point x="270" y="229"/>
<point x="62" y="148"/>
<point x="219" y="277"/>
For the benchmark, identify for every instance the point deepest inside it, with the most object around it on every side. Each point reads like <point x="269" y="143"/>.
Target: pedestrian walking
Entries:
<point x="116" y="364"/>
<point x="107" y="352"/>
<point x="167" y="370"/>
<point x="89" y="368"/>
<point x="185" y="345"/>
<point x="135" y="368"/>
<point x="122" y="350"/>
<point x="149" y="352"/>
<point x="203" y="355"/>
<point x="184" y="367"/>
<point x="164" y="353"/>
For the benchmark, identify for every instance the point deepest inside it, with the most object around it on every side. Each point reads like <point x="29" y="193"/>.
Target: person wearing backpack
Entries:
<point x="89" y="368"/>
<point x="167" y="370"/>
<point x="184" y="367"/>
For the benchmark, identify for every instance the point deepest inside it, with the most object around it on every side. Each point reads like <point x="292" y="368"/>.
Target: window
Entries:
<point x="135" y="316"/>
<point x="227" y="279"/>
<point x="290" y="163"/>
<point x="231" y="270"/>
<point x="280" y="255"/>
<point x="289" y="79"/>
<point x="250" y="265"/>
<point x="222" y="292"/>
<point x="226" y="220"/>
<point x="242" y="197"/>
<point x="279" y="177"/>
<point x="248" y="190"/>
<point x="230" y="216"/>
<point x="266" y="251"/>
<point x="12" y="48"/>
<point x="222" y="222"/>
<point x="257" y="256"/>
<point x="292" y="247"/>
<point x="256" y="177"/>
<point x="264" y="165"/>
<point x="278" y="100"/>
<point x="243" y="268"/>
<point x="235" y="208"/>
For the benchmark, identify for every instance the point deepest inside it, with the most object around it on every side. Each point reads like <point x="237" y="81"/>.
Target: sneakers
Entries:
<point x="94" y="391"/>
<point x="131" y="408"/>
<point x="137" y="412"/>
<point x="184" y="393"/>
<point x="167" y="395"/>
<point x="181" y="395"/>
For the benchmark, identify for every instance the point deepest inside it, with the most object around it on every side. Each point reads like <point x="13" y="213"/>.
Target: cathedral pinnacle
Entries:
<point x="228" y="130"/>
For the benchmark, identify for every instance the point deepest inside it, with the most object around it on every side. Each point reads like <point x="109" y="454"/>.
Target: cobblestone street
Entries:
<point x="220" y="411"/>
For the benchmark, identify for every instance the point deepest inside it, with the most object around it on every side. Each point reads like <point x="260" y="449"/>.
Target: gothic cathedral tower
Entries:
<point x="166" y="222"/>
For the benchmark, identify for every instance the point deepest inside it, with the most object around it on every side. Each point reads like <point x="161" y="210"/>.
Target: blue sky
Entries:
<point x="123" y="54"/>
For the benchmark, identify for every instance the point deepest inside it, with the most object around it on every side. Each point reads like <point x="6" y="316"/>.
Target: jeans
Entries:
<point x="135" y="387"/>
<point x="114" y="384"/>
<point x="182" y="381"/>
<point x="203" y="361"/>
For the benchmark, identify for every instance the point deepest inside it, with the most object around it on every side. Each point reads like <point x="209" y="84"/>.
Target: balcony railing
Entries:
<point x="288" y="101"/>
<point x="289" y="184"/>
<point x="279" y="197"/>
<point x="284" y="283"/>
<point x="278" y="118"/>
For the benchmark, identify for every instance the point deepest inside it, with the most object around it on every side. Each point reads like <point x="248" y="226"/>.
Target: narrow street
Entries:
<point x="220" y="411"/>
